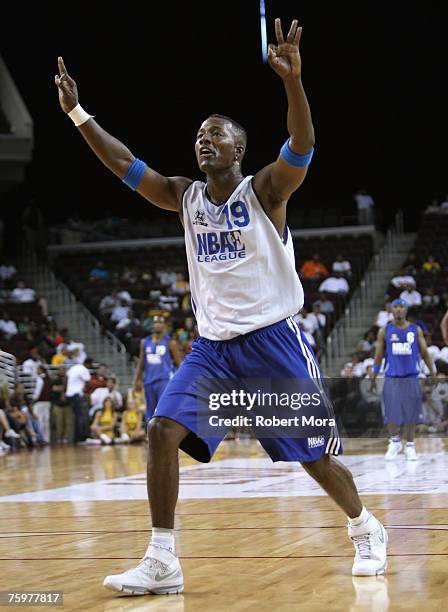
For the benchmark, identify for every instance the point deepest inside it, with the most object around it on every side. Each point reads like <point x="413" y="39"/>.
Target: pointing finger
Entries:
<point x="278" y="31"/>
<point x="297" y="36"/>
<point x="61" y="66"/>
<point x="292" y="31"/>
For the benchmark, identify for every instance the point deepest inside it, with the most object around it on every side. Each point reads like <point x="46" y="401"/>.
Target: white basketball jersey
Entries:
<point x="242" y="274"/>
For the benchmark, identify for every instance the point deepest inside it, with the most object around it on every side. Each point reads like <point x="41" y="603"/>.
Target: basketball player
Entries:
<point x="245" y="290"/>
<point x="401" y="343"/>
<point x="158" y="355"/>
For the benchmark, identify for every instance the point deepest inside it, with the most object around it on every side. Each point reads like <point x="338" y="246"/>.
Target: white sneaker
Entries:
<point x="105" y="438"/>
<point x="10" y="433"/>
<point x="4" y="447"/>
<point x="409" y="451"/>
<point x="157" y="574"/>
<point x="393" y="450"/>
<point x="370" y="541"/>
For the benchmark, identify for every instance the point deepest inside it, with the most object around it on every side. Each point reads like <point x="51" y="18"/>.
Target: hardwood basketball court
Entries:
<point x="251" y="535"/>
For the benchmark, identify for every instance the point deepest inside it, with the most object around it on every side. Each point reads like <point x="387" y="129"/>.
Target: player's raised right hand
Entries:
<point x="68" y="92"/>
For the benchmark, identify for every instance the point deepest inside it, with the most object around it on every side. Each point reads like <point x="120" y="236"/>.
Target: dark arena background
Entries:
<point x="89" y="269"/>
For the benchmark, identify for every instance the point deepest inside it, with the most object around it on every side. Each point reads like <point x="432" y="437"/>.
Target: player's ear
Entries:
<point x="239" y="152"/>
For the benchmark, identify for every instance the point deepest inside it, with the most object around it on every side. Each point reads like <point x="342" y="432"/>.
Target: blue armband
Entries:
<point x="376" y="369"/>
<point x="300" y="161"/>
<point x="135" y="174"/>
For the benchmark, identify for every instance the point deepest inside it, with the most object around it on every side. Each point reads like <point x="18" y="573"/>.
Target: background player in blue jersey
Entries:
<point x="401" y="343"/>
<point x="159" y="355"/>
<point x="244" y="289"/>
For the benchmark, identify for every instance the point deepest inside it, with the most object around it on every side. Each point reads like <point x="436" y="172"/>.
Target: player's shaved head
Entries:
<point x="240" y="132"/>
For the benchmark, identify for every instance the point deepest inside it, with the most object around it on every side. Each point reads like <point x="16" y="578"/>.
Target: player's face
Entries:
<point x="158" y="326"/>
<point x="215" y="145"/>
<point x="399" y="312"/>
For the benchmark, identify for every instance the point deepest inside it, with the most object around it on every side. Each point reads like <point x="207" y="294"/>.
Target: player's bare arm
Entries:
<point x="423" y="348"/>
<point x="138" y="378"/>
<point x="379" y="356"/>
<point x="164" y="192"/>
<point x="175" y="353"/>
<point x="276" y="182"/>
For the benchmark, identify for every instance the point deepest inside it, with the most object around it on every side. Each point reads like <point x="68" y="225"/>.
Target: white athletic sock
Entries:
<point x="395" y="438"/>
<point x="164" y="538"/>
<point x="362" y="518"/>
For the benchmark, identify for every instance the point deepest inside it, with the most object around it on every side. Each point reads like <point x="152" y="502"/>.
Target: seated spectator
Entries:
<point x="304" y="326"/>
<point x="31" y="365"/>
<point x="129" y="275"/>
<point x="413" y="316"/>
<point x="433" y="349"/>
<point x="103" y="426"/>
<point x="412" y="265"/>
<point x="7" y="326"/>
<point x="99" y="272"/>
<point x="353" y="368"/>
<point x="342" y="265"/>
<point x="60" y="358"/>
<point x="402" y="279"/>
<point x="411" y="296"/>
<point x="181" y="286"/>
<point x="98" y="379"/>
<point x="335" y="284"/>
<point x="169" y="302"/>
<point x="108" y="303"/>
<point x="317" y="314"/>
<point x="6" y="432"/>
<point x="431" y="265"/>
<point x="166" y="277"/>
<point x="121" y="311"/>
<point x="19" y="416"/>
<point x="429" y="300"/>
<point x="131" y="429"/>
<point x="313" y="268"/>
<point x="124" y="296"/>
<point x="22" y="293"/>
<point x="326" y="306"/>
<point x="384" y="316"/>
<point x="99" y="395"/>
<point x="368" y="343"/>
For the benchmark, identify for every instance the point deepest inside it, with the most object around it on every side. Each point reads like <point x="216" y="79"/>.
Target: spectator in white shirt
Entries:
<point x="384" y="316"/>
<point x="108" y="303"/>
<point x="120" y="312"/>
<point x="335" y="284"/>
<point x="99" y="395"/>
<point x="326" y="306"/>
<point x="32" y="364"/>
<point x="22" y="293"/>
<point x="342" y="265"/>
<point x="401" y="280"/>
<point x="77" y="376"/>
<point x="125" y="296"/>
<point x="8" y="326"/>
<point x="411" y="296"/>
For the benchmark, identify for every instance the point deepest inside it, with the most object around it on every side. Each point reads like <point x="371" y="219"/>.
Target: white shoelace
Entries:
<point x="363" y="545"/>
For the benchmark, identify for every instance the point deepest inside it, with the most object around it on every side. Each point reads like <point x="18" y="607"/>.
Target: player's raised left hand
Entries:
<point x="284" y="58"/>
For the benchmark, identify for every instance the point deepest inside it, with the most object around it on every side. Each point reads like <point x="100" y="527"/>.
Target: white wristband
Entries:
<point x="78" y="115"/>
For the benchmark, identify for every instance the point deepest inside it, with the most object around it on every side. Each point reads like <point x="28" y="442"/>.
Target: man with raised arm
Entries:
<point x="244" y="289"/>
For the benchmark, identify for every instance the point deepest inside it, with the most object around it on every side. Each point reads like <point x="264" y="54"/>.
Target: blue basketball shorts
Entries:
<point x="402" y="400"/>
<point x="278" y="351"/>
<point x="153" y="393"/>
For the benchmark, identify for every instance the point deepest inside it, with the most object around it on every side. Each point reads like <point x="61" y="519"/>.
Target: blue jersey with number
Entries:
<point x="158" y="362"/>
<point x="402" y="351"/>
